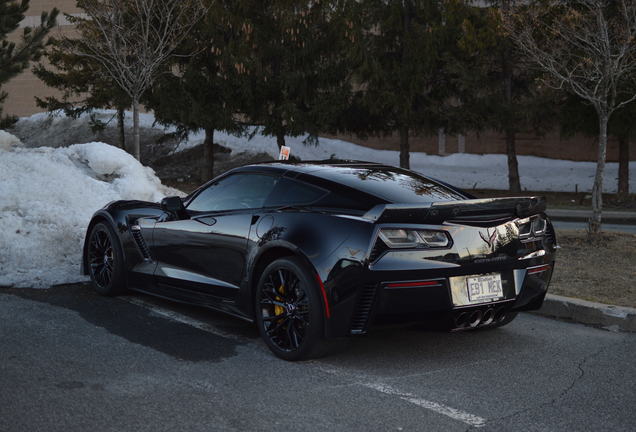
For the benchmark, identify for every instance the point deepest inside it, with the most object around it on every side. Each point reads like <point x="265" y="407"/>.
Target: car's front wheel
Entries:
<point x="105" y="260"/>
<point x="289" y="310"/>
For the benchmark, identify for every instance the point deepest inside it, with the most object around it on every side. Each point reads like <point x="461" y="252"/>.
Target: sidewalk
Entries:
<point x="609" y="216"/>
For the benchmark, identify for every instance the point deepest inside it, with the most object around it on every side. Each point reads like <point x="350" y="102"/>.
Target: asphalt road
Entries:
<point x="569" y="225"/>
<point x="73" y="361"/>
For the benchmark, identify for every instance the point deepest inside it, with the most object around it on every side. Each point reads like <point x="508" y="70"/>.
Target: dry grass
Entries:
<point x="603" y="271"/>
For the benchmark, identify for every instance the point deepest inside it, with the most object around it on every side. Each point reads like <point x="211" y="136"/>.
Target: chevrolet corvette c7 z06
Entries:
<point x="312" y="251"/>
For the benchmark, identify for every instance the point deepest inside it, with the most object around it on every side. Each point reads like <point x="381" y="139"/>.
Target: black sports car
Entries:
<point x="316" y="250"/>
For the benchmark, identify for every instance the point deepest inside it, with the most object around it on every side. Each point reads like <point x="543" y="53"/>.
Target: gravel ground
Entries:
<point x="603" y="271"/>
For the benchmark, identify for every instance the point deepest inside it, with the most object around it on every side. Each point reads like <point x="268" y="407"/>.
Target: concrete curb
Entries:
<point x="615" y="217"/>
<point x="590" y="313"/>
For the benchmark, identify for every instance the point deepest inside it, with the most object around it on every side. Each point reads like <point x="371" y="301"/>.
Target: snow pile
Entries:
<point x="8" y="141"/>
<point x="55" y="129"/>
<point x="47" y="197"/>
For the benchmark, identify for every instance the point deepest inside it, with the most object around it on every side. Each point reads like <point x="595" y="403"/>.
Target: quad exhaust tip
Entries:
<point x="461" y="319"/>
<point x="500" y="315"/>
<point x="489" y="317"/>
<point x="479" y="318"/>
<point x="475" y="319"/>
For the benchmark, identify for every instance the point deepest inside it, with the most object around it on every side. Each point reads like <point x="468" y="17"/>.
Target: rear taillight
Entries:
<point x="414" y="238"/>
<point x="531" y="227"/>
<point x="539" y="269"/>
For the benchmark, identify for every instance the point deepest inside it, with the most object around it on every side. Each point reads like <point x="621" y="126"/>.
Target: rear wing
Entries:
<point x="471" y="210"/>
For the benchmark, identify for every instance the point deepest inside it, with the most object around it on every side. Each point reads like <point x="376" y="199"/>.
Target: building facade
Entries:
<point x="23" y="88"/>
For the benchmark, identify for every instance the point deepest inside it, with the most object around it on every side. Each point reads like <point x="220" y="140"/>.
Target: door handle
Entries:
<point x="207" y="220"/>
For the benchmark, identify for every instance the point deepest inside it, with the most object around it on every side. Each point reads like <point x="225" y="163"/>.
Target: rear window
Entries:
<point x="391" y="184"/>
<point x="290" y="192"/>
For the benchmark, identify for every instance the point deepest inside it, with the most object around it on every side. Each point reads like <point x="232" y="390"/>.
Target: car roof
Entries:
<point x="311" y="166"/>
<point x="383" y="182"/>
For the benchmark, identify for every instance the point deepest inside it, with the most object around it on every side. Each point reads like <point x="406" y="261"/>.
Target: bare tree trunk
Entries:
<point x="441" y="141"/>
<point x="280" y="139"/>
<point x="461" y="143"/>
<point x="514" y="183"/>
<point x="136" y="146"/>
<point x="405" y="152"/>
<point x="623" y="166"/>
<point x="121" y="128"/>
<point x="207" y="169"/>
<point x="597" y="191"/>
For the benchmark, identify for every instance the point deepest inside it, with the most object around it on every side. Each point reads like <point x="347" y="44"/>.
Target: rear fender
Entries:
<point x="335" y="248"/>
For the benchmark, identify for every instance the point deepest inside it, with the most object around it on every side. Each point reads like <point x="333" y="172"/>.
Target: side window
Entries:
<point x="292" y="192"/>
<point x="235" y="192"/>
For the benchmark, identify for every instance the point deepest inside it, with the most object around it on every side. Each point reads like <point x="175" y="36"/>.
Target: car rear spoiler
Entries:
<point x="492" y="209"/>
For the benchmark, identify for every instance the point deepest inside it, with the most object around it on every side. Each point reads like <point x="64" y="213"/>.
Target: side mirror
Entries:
<point x="173" y="205"/>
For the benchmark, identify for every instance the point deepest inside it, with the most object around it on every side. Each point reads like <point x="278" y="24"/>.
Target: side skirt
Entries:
<point x="201" y="301"/>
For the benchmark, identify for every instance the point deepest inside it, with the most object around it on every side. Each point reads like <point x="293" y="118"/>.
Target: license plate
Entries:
<point x="484" y="288"/>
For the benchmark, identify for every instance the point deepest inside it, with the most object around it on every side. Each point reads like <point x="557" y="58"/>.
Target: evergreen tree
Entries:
<point x="406" y="80"/>
<point x="15" y="57"/>
<point x="295" y="64"/>
<point x="205" y="91"/>
<point x="499" y="85"/>
<point x="82" y="84"/>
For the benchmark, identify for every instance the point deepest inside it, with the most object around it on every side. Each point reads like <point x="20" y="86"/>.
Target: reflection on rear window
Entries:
<point x="392" y="184"/>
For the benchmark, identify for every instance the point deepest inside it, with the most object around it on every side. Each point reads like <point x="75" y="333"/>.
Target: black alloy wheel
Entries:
<point x="105" y="260"/>
<point x="289" y="311"/>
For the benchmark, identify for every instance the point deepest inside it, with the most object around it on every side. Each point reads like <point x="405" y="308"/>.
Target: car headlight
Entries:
<point x="412" y="238"/>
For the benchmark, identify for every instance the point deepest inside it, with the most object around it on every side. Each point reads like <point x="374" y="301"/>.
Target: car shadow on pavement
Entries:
<point x="134" y="323"/>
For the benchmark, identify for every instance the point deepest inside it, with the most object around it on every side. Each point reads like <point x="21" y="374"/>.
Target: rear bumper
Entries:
<point x="380" y="298"/>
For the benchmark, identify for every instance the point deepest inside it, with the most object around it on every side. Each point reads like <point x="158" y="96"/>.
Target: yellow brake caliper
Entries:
<point x="279" y="310"/>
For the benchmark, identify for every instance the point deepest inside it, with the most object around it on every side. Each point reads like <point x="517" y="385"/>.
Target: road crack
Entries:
<point x="579" y="376"/>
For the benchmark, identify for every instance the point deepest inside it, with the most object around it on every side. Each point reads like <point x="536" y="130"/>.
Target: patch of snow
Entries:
<point x="463" y="170"/>
<point x="55" y="129"/>
<point x="8" y="141"/>
<point x="48" y="197"/>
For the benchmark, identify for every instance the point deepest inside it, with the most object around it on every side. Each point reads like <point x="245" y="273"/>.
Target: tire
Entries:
<point x="105" y="261"/>
<point x="288" y="288"/>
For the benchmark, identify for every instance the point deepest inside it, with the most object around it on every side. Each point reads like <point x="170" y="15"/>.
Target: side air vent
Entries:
<point x="141" y="243"/>
<point x="361" y="315"/>
<point x="378" y="249"/>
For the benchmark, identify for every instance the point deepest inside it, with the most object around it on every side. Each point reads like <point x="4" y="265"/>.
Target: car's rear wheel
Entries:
<point x="105" y="261"/>
<point x="289" y="311"/>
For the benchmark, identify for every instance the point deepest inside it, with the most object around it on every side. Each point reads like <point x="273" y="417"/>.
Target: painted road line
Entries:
<point x="453" y="413"/>
<point x="370" y="383"/>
